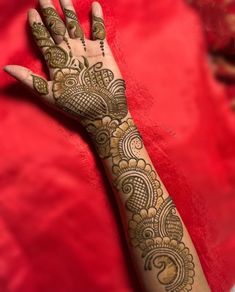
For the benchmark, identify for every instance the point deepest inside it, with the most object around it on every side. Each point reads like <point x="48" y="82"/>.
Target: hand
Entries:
<point x="85" y="79"/>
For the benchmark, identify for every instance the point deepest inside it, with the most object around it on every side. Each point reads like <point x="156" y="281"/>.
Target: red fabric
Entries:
<point x="60" y="229"/>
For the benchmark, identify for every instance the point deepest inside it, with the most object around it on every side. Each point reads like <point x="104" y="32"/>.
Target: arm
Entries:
<point x="161" y="248"/>
<point x="87" y="85"/>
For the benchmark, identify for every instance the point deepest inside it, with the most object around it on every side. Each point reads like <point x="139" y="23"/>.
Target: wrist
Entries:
<point x="108" y="133"/>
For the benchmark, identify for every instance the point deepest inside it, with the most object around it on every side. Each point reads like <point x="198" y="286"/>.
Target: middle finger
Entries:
<point x="53" y="21"/>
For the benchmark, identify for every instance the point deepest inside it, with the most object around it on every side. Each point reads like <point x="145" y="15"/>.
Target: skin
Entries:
<point x="86" y="84"/>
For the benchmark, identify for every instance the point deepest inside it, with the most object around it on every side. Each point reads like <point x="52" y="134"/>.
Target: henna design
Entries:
<point x="169" y="222"/>
<point x="90" y="92"/>
<point x="98" y="29"/>
<point x="54" y="22"/>
<point x="173" y="262"/>
<point x="126" y="142"/>
<point x="153" y="222"/>
<point x="137" y="180"/>
<point x="56" y="57"/>
<point x="41" y="35"/>
<point x="101" y="131"/>
<point x="40" y="85"/>
<point x="94" y="95"/>
<point x="143" y="226"/>
<point x="56" y="25"/>
<point x="158" y="233"/>
<point x="74" y="26"/>
<point x="155" y="227"/>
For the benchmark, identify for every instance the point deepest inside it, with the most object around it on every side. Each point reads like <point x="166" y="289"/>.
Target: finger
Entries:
<point x="73" y="26"/>
<point x="55" y="56"/>
<point x="40" y="33"/>
<point x="98" y="26"/>
<point x="33" y="81"/>
<point x="53" y="21"/>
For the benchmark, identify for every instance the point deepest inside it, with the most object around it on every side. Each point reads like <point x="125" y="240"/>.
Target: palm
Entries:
<point x="85" y="80"/>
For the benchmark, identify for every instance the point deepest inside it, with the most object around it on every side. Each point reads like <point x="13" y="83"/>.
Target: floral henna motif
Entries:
<point x="90" y="93"/>
<point x="87" y="92"/>
<point x="101" y="132"/>
<point x="165" y="254"/>
<point x="143" y="226"/>
<point x="126" y="142"/>
<point x="155" y="227"/>
<point x="153" y="222"/>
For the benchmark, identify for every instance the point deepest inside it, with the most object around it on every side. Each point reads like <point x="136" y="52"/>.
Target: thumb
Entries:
<point x="33" y="81"/>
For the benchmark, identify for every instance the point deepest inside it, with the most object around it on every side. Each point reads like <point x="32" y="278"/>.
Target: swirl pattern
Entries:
<point x="138" y="181"/>
<point x="173" y="262"/>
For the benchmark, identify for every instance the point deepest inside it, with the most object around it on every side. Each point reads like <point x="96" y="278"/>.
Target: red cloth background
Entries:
<point x="59" y="226"/>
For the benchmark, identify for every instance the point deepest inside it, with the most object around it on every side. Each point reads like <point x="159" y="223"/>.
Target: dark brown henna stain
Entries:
<point x="101" y="132"/>
<point x="90" y="92"/>
<point x="74" y="26"/>
<point x="137" y="180"/>
<point x="40" y="85"/>
<point x="172" y="261"/>
<point x="56" y="25"/>
<point x="54" y="22"/>
<point x="98" y="30"/>
<point x="126" y="142"/>
<point x="41" y="35"/>
<point x="56" y="57"/>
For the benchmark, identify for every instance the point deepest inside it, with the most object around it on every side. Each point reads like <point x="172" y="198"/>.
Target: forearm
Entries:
<point x="159" y="242"/>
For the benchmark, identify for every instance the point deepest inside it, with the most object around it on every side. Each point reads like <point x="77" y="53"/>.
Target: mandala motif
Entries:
<point x="101" y="131"/>
<point x="90" y="93"/>
<point x="65" y="79"/>
<point x="137" y="180"/>
<point x="126" y="142"/>
<point x="172" y="261"/>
